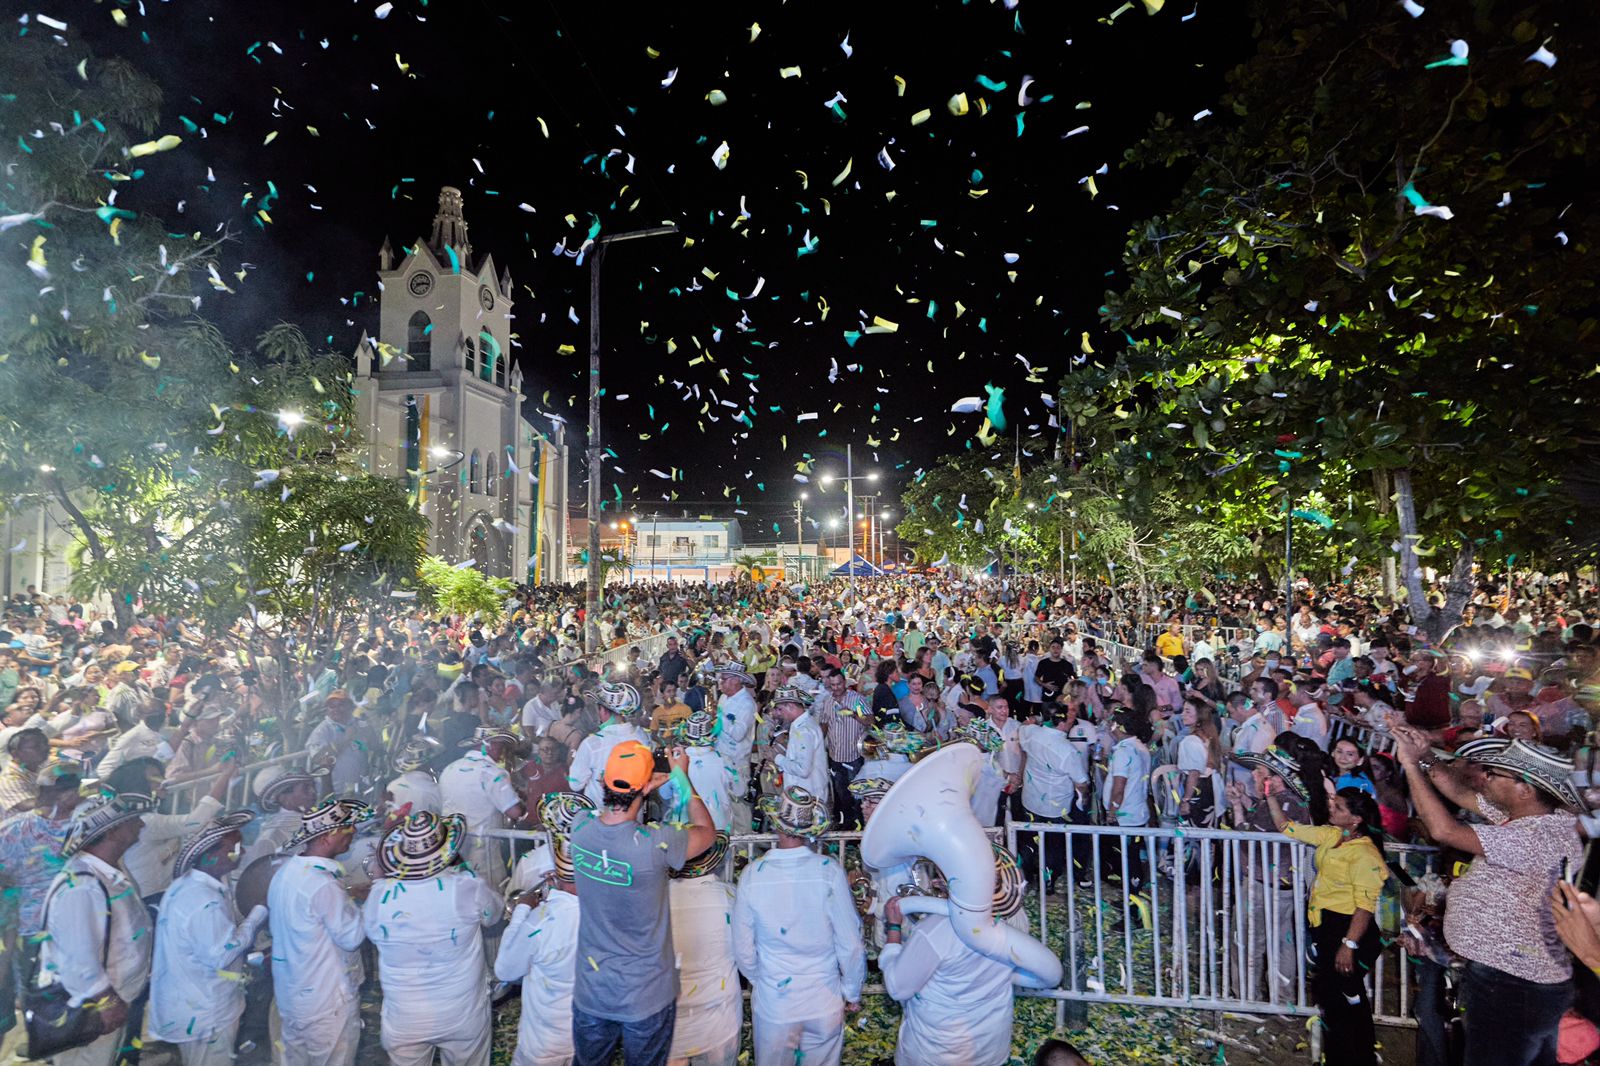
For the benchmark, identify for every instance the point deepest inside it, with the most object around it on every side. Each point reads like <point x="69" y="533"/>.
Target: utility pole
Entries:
<point x="591" y="614"/>
<point x="1288" y="558"/>
<point x="850" y="518"/>
<point x="799" y="533"/>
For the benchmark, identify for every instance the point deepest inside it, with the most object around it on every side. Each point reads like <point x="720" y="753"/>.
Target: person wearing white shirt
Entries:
<point x="349" y="739"/>
<point x="426" y="915"/>
<point x="149" y="861"/>
<point x="804" y="758"/>
<point x="736" y="715"/>
<point x="477" y="786"/>
<point x="196" y="996"/>
<point x="1252" y="734"/>
<point x="143" y="741"/>
<point x="316" y="931"/>
<point x="543" y="710"/>
<point x="589" y="761"/>
<point x="710" y="1001"/>
<point x="1055" y="788"/>
<point x="1127" y="793"/>
<point x="1001" y="769"/>
<point x="797" y="938"/>
<point x="284" y="797"/>
<point x="710" y="775"/>
<point x="540" y="949"/>
<point x="97" y="939"/>
<point x="956" y="1003"/>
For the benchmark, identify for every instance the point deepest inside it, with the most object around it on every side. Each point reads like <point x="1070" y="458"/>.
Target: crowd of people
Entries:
<point x="375" y="776"/>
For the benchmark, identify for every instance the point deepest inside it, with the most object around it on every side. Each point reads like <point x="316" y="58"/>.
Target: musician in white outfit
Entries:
<point x="710" y="1002"/>
<point x="956" y="1002"/>
<point x="709" y="772"/>
<point x="316" y="931"/>
<point x="478" y="787"/>
<point x="415" y="789"/>
<point x="736" y="734"/>
<point x="196" y="987"/>
<point x="803" y="759"/>
<point x="540" y="949"/>
<point x="284" y="797"/>
<point x="613" y="703"/>
<point x="426" y="915"/>
<point x="798" y="940"/>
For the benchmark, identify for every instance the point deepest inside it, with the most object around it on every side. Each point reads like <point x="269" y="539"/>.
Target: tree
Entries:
<point x="463" y="590"/>
<point x="612" y="561"/>
<point x="1369" y="303"/>
<point x="106" y="376"/>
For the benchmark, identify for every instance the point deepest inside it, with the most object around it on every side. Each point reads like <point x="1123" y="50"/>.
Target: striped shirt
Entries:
<point x="845" y="721"/>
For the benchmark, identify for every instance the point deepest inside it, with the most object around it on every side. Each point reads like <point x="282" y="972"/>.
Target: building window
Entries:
<point x="493" y="366"/>
<point x="473" y="471"/>
<point x="472" y="356"/>
<point x="653" y="541"/>
<point x="413" y="444"/>
<point x="713" y="540"/>
<point x="491" y="476"/>
<point x="683" y="545"/>
<point x="419" y="342"/>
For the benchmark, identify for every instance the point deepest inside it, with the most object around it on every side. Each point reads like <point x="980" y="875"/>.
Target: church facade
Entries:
<point x="439" y="400"/>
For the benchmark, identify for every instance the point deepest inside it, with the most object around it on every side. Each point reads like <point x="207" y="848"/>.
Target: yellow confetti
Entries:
<point x="921" y="116"/>
<point x="270" y="138"/>
<point x="119" y="16"/>
<point x="958" y="104"/>
<point x="755" y="30"/>
<point x="651" y="52"/>
<point x="1152" y="6"/>
<point x="542" y="127"/>
<point x="845" y="173"/>
<point x="162" y="144"/>
<point x="151" y="361"/>
<point x="789" y="72"/>
<point x="565" y="349"/>
<point x="899" y="85"/>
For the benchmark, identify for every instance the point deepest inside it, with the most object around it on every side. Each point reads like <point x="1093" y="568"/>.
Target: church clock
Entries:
<point x="421" y="283"/>
<point x="486" y="297"/>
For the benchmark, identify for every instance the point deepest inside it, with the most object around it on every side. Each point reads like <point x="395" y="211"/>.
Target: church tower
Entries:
<point x="440" y="401"/>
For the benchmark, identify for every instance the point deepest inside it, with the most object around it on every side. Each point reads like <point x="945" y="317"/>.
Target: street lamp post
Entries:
<point x="597" y="254"/>
<point x="799" y="531"/>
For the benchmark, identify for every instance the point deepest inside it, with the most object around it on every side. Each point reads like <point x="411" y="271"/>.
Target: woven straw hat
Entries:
<point x="213" y="831"/>
<point x="423" y="845"/>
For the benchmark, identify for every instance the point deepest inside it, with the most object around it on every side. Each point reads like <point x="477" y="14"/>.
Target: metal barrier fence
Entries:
<point x="1216" y="920"/>
<point x="1368" y="739"/>
<point x="650" y="648"/>
<point x="180" y="797"/>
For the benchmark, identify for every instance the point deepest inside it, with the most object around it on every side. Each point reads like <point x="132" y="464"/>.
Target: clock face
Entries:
<point x="421" y="283"/>
<point x="486" y="297"/>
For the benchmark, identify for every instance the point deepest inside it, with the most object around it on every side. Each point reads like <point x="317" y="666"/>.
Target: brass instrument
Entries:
<point x="860" y="881"/>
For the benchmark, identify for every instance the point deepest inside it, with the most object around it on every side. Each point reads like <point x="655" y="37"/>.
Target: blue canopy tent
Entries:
<point x="857" y="567"/>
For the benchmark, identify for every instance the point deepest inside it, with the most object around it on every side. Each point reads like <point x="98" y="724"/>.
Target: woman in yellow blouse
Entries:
<point x="1341" y="912"/>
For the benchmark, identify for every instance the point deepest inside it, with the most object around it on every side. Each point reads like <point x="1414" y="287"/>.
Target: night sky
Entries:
<point x="451" y="93"/>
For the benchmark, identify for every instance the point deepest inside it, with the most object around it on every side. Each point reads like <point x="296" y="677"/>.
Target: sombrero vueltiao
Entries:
<point x="738" y="673"/>
<point x="273" y="782"/>
<point x="418" y="752"/>
<point x="870" y="789"/>
<point x="484" y="735"/>
<point x="423" y="845"/>
<point x="95" y="818"/>
<point x="195" y="847"/>
<point x="617" y="697"/>
<point x="796" y="813"/>
<point x="1278" y="764"/>
<point x="895" y="737"/>
<point x="558" y="813"/>
<point x="793" y="694"/>
<point x="326" y="817"/>
<point x="699" y="730"/>
<point x="1535" y="765"/>
<point x="708" y="861"/>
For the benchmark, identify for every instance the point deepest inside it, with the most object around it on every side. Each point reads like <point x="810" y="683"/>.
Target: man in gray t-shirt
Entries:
<point x="626" y="987"/>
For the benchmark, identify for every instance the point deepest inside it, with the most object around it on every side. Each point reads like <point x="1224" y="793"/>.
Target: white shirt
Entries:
<point x="351" y="743"/>
<point x="1055" y="769"/>
<point x="149" y="861"/>
<point x="429" y="936"/>
<point x="891" y="767"/>
<point x="316" y="931"/>
<point x="710" y="1002"/>
<point x="713" y="782"/>
<point x="276" y="830"/>
<point x="736" y="717"/>
<point x="540" y="949"/>
<point x="1031" y="690"/>
<point x="797" y="937"/>
<point x="587" y="772"/>
<point x="1253" y="735"/>
<point x="479" y="789"/>
<point x="537" y="718"/>
<point x="1130" y="760"/>
<point x="75" y="917"/>
<point x="804" y="760"/>
<point x="957" y="1003"/>
<point x="418" y="788"/>
<point x="196" y="981"/>
<point x="140" y="742"/>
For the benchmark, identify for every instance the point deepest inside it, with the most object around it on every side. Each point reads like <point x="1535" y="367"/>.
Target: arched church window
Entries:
<point x="474" y="466"/>
<point x="500" y="372"/>
<point x="419" y="342"/>
<point x="472" y="356"/>
<point x="493" y="368"/>
<point x="491" y="476"/>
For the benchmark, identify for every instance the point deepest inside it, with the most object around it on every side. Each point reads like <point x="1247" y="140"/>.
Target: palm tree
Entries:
<point x="747" y="563"/>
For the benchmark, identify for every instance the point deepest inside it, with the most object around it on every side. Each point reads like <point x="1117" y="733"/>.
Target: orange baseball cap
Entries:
<point x="629" y="767"/>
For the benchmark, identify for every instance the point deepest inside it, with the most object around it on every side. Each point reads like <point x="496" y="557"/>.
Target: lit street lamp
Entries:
<point x="850" y="478"/>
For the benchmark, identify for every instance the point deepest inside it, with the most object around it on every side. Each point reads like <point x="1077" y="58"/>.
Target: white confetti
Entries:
<point x="383" y="10"/>
<point x="1543" y="55"/>
<point x="1413" y="8"/>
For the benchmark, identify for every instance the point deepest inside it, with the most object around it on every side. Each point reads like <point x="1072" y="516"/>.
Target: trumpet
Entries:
<point x="533" y="897"/>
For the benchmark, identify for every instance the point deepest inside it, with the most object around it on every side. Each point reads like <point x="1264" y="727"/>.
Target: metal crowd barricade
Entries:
<point x="1368" y="739"/>
<point x="650" y="648"/>
<point x="180" y="797"/>
<point x="1217" y="920"/>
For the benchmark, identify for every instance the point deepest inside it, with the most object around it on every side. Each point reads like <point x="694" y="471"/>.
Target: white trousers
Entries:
<point x="328" y="1041"/>
<point x="466" y="1043"/>
<point x="819" y="1042"/>
<point x="726" y="1055"/>
<point x="218" y="1051"/>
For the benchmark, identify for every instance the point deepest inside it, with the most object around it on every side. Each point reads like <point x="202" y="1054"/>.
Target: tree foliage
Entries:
<point x="463" y="590"/>
<point x="1378" y="282"/>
